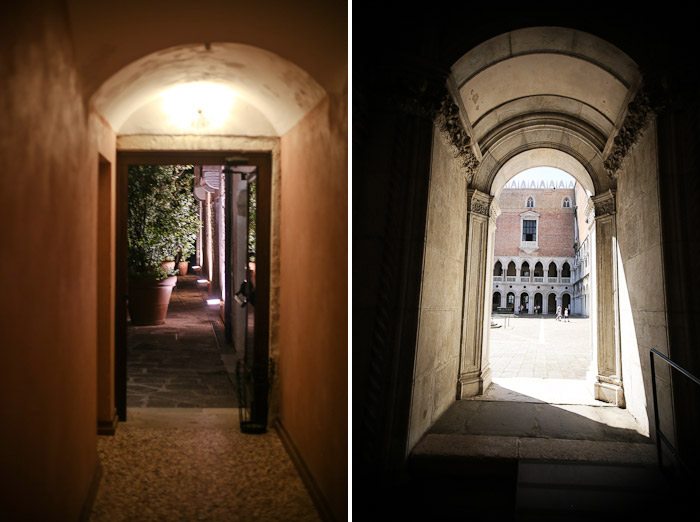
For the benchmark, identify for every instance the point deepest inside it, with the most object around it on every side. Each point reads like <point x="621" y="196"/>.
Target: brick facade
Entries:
<point x="555" y="228"/>
<point x="554" y="247"/>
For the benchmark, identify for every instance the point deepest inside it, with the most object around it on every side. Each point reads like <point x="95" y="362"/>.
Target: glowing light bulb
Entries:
<point x="198" y="105"/>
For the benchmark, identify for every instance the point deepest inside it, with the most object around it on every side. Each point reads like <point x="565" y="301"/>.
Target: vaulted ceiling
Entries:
<point x="548" y="88"/>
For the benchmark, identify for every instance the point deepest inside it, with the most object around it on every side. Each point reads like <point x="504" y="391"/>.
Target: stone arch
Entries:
<point x="511" y="271"/>
<point x="552" y="269"/>
<point x="530" y="203"/>
<point x="566" y="269"/>
<point x="498" y="269"/>
<point x="496" y="302"/>
<point x="566" y="301"/>
<point x="560" y="117"/>
<point x="525" y="269"/>
<point x="539" y="270"/>
<point x="551" y="303"/>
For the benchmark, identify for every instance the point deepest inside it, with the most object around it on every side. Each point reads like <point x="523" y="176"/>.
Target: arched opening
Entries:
<point x="238" y="114"/>
<point x="566" y="301"/>
<point x="553" y="123"/>
<point x="525" y="271"/>
<point x="524" y="303"/>
<point x="555" y="248"/>
<point x="507" y="120"/>
<point x="510" y="301"/>
<point x="498" y="269"/>
<point x="538" y="303"/>
<point x="566" y="271"/>
<point x="566" y="203"/>
<point x="530" y="202"/>
<point x="198" y="99"/>
<point x="496" y="303"/>
<point x="539" y="271"/>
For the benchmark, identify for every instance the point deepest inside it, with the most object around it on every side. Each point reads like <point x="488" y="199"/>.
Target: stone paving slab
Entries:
<point x="512" y="419"/>
<point x="179" y="364"/>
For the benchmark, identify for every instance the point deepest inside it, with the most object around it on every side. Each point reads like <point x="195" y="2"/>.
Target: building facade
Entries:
<point x="540" y="261"/>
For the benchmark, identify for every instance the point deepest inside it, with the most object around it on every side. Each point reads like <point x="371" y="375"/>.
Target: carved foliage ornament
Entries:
<point x="605" y="205"/>
<point x="450" y="124"/>
<point x="638" y="112"/>
<point x="477" y="205"/>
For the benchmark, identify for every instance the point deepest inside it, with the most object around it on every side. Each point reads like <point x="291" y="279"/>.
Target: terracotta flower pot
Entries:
<point x="182" y="267"/>
<point x="169" y="266"/>
<point x="149" y="300"/>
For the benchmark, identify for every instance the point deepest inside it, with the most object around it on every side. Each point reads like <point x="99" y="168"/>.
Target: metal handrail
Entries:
<point x="659" y="435"/>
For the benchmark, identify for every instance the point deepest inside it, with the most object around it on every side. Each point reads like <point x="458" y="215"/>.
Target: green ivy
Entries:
<point x="163" y="220"/>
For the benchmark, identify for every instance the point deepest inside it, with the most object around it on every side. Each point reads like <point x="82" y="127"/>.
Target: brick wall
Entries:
<point x="555" y="230"/>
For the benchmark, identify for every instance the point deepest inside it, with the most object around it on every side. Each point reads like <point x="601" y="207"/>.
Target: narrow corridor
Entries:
<point x="181" y="455"/>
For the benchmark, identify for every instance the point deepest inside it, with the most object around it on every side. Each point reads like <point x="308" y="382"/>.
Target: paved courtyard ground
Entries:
<point x="541" y="347"/>
<point x="541" y="359"/>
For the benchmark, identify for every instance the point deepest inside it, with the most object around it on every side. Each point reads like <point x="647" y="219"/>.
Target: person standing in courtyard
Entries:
<point x="558" y="312"/>
<point x="566" y="314"/>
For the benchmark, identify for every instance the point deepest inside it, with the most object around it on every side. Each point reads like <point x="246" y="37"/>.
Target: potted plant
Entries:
<point x="157" y="200"/>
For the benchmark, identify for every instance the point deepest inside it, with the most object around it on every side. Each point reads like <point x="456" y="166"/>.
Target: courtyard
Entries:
<point x="537" y="358"/>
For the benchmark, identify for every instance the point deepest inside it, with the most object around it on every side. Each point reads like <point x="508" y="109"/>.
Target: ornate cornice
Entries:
<point x="638" y="112"/>
<point x="478" y="203"/>
<point x="604" y="204"/>
<point x="450" y="124"/>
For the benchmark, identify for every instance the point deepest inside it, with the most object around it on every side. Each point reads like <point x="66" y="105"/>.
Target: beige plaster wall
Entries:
<point x="103" y="143"/>
<point x="440" y="320"/>
<point x="640" y="275"/>
<point x="48" y="183"/>
<point x="313" y="296"/>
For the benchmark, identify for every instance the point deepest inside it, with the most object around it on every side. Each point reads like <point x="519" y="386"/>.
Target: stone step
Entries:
<point x="580" y="491"/>
<point x="474" y="448"/>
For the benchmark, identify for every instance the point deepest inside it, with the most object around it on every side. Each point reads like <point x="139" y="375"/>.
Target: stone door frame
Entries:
<point x="475" y="372"/>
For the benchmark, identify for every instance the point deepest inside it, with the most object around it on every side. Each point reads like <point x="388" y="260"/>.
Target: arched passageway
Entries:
<point x="584" y="93"/>
<point x="97" y="80"/>
<point x="498" y="114"/>
<point x="496" y="300"/>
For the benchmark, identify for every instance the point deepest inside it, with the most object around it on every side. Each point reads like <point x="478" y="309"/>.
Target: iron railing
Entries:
<point x="660" y="437"/>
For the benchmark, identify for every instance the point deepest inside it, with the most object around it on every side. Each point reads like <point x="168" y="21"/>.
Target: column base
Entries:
<point x="108" y="427"/>
<point x="473" y="383"/>
<point x="610" y="393"/>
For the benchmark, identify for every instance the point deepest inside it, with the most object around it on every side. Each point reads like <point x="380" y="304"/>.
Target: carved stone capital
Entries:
<point x="479" y="202"/>
<point x="495" y="210"/>
<point x="604" y="204"/>
<point x="450" y="124"/>
<point x="638" y="112"/>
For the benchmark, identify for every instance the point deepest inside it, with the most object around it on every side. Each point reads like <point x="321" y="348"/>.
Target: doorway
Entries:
<point x="222" y="259"/>
<point x="534" y="353"/>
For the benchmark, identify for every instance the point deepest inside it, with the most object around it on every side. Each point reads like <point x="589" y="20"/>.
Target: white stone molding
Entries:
<point x="475" y="374"/>
<point x="608" y="385"/>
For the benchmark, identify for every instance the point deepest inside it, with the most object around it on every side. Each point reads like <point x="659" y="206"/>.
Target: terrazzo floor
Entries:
<point x="181" y="464"/>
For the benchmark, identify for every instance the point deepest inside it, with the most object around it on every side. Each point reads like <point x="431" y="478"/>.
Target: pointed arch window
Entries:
<point x="566" y="203"/>
<point x="530" y="202"/>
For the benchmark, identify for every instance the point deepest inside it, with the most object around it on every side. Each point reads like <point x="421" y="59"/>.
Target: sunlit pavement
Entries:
<point x="540" y="358"/>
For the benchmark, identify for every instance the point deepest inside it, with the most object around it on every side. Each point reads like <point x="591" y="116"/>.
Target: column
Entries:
<point x="608" y="385"/>
<point x="475" y="374"/>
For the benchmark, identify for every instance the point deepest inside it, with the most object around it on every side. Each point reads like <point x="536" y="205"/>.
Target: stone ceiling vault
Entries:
<point x="543" y="88"/>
